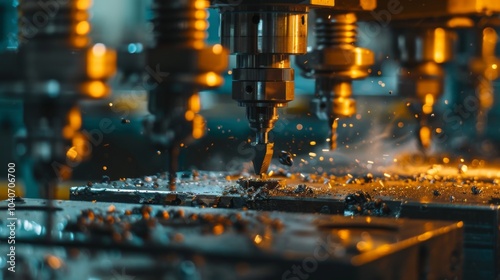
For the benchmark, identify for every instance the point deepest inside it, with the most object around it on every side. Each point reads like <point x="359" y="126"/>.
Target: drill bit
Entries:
<point x="262" y="120"/>
<point x="263" y="153"/>
<point x="334" y="123"/>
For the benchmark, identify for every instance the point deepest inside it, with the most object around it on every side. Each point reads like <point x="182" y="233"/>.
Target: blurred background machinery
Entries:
<point x="447" y="102"/>
<point x="53" y="67"/>
<point x="180" y="64"/>
<point x="127" y="106"/>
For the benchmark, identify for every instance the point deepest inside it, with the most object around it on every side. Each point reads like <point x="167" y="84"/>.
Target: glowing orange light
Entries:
<point x="54" y="262"/>
<point x="96" y="89"/>
<point x="100" y="62"/>
<point x="217" y="49"/>
<point x="80" y="145"/>
<point x="460" y="22"/>
<point x="425" y="236"/>
<point x="344" y="234"/>
<point x="79" y="16"/>
<point x="72" y="154"/>
<point x="195" y="103"/>
<point x="198" y="44"/>
<point x="75" y="119"/>
<point x="201" y="4"/>
<point x="78" y="141"/>
<point x="364" y="246"/>
<point x="198" y="127"/>
<point x="425" y="136"/>
<point x="82" y="28"/>
<point x="218" y="229"/>
<point x="68" y="132"/>
<point x="189" y="115"/>
<point x="200" y="25"/>
<point x="429" y="102"/>
<point x="99" y="49"/>
<point x="79" y="41"/>
<point x="490" y="39"/>
<point x="200" y="14"/>
<point x="212" y="79"/>
<point x="83" y="4"/>
<point x="258" y="239"/>
<point x="439" y="45"/>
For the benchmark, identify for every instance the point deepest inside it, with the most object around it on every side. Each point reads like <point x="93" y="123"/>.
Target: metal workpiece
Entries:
<point x="438" y="194"/>
<point x="179" y="65"/>
<point x="335" y="62"/>
<point x="104" y="240"/>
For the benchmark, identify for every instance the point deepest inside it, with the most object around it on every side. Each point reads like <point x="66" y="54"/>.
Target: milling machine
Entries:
<point x="162" y="183"/>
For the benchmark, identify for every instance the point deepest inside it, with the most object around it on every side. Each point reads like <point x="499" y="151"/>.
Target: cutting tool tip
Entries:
<point x="263" y="156"/>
